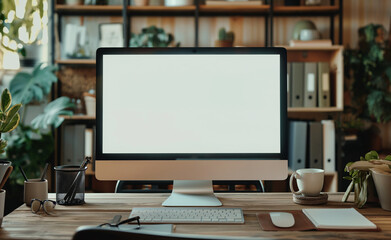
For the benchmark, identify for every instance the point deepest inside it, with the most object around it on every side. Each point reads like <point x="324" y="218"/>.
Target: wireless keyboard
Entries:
<point x="188" y="215"/>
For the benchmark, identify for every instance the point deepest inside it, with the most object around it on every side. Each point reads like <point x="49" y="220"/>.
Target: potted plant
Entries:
<point x="226" y="39"/>
<point x="360" y="174"/>
<point x="9" y="120"/>
<point x="32" y="143"/>
<point x="369" y="67"/>
<point x="152" y="37"/>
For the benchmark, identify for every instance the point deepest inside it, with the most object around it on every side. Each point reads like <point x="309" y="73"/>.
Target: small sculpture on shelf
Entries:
<point x="152" y="37"/>
<point x="226" y="39"/>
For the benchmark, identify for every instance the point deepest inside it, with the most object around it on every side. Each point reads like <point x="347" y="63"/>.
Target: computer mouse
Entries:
<point x="282" y="219"/>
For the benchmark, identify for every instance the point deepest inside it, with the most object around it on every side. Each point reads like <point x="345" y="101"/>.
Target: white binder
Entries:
<point x="328" y="145"/>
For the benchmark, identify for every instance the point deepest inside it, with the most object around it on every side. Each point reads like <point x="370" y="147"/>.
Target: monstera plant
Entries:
<point x="32" y="143"/>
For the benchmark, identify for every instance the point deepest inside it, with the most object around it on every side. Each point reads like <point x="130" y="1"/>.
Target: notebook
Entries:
<point x="338" y="218"/>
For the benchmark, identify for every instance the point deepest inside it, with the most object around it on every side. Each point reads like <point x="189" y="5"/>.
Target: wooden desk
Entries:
<point x="22" y="224"/>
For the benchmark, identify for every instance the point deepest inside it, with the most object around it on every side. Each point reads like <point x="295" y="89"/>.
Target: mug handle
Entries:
<point x="294" y="175"/>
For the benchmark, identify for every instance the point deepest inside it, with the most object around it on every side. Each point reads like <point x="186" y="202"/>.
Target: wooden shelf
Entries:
<point x="161" y="9"/>
<point x="78" y="117"/>
<point x="234" y="9"/>
<point x="76" y="61"/>
<point x="310" y="10"/>
<point x="95" y="10"/>
<point x="314" y="110"/>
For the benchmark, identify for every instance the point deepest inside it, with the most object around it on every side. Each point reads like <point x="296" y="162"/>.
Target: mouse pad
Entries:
<point x="302" y="223"/>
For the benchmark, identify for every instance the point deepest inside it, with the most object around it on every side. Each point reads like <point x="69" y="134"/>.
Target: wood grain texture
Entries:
<point x="99" y="208"/>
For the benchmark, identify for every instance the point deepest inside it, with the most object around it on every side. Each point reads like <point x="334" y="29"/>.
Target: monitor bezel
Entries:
<point x="193" y="156"/>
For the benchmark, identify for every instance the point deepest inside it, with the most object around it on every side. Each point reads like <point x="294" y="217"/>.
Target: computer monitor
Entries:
<point x="195" y="114"/>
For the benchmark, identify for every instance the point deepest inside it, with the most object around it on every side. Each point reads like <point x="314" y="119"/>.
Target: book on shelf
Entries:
<point x="233" y="3"/>
<point x="311" y="43"/>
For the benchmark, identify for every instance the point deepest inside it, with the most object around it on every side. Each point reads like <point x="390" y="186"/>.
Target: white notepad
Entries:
<point x="338" y="218"/>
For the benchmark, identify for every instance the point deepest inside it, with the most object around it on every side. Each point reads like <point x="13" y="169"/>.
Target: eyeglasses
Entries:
<point x="137" y="218"/>
<point x="47" y="205"/>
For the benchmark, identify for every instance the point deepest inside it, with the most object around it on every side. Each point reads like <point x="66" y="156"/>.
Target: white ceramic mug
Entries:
<point x="35" y="188"/>
<point x="309" y="181"/>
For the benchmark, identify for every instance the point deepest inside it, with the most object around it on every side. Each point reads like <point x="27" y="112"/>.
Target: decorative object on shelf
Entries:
<point x="382" y="179"/>
<point x="75" y="42"/>
<point x="90" y="102"/>
<point x="302" y="25"/>
<point x="96" y="2"/>
<point x="74" y="2"/>
<point x="111" y="35"/>
<point x="139" y="2"/>
<point x="309" y="34"/>
<point x="359" y="175"/>
<point x="156" y="2"/>
<point x="226" y="39"/>
<point x="152" y="37"/>
<point x="369" y="68"/>
<point x="177" y="3"/>
<point x="32" y="142"/>
<point x="313" y="2"/>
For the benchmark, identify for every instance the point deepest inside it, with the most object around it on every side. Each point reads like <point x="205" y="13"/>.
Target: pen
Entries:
<point x="45" y="169"/>
<point x="24" y="174"/>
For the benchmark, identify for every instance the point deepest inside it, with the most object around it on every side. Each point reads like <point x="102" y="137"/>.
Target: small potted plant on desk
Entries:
<point x="9" y="120"/>
<point x="226" y="39"/>
<point x="361" y="174"/>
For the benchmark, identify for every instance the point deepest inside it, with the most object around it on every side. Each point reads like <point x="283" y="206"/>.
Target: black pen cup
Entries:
<point x="70" y="184"/>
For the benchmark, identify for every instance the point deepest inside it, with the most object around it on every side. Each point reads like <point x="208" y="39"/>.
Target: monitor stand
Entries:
<point x="187" y="193"/>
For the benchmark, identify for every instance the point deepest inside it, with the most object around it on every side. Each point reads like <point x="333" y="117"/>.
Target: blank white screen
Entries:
<point x="191" y="104"/>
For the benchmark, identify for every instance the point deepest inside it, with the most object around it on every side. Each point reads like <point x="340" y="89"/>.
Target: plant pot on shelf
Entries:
<point x="382" y="181"/>
<point x="224" y="43"/>
<point x="177" y="3"/>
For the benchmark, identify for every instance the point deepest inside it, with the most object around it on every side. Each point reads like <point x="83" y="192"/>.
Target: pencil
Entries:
<point x="24" y="174"/>
<point x="45" y="169"/>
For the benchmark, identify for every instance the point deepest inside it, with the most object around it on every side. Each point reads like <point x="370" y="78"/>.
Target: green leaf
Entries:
<point x="371" y="155"/>
<point x="26" y="87"/>
<point x="388" y="157"/>
<point x="11" y="124"/>
<point x="6" y="100"/>
<point x="347" y="192"/>
<point x="52" y="112"/>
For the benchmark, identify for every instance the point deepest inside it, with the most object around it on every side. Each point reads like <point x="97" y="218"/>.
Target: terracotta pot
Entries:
<point x="383" y="187"/>
<point x="223" y="43"/>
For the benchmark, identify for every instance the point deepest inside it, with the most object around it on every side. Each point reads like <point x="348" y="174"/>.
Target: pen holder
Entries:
<point x="35" y="188"/>
<point x="70" y="185"/>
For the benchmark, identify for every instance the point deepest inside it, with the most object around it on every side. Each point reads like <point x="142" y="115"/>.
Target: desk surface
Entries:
<point x="22" y="224"/>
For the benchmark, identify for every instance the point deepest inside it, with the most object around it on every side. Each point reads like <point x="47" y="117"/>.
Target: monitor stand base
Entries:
<point x="196" y="193"/>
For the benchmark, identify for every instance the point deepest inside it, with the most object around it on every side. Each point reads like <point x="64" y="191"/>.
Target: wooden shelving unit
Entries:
<point x="332" y="54"/>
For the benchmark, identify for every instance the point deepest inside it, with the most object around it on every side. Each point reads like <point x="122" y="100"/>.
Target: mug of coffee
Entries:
<point x="309" y="181"/>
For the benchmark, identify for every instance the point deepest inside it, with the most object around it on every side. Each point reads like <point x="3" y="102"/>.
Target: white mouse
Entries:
<point x="282" y="219"/>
